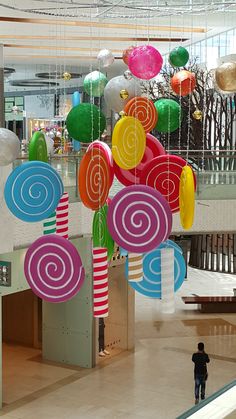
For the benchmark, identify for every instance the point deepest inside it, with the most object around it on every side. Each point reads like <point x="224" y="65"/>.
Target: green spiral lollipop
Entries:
<point x="101" y="235"/>
<point x="38" y="148"/>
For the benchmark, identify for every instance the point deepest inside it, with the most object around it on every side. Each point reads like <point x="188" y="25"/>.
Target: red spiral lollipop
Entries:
<point x="94" y="179"/>
<point x="163" y="174"/>
<point x="132" y="177"/>
<point x="143" y="109"/>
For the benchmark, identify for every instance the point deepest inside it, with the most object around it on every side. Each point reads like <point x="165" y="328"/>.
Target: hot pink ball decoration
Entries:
<point x="145" y="62"/>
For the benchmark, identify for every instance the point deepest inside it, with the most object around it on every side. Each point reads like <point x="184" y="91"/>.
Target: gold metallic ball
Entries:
<point x="124" y="94"/>
<point x="66" y="76"/>
<point x="197" y="115"/>
<point x="225" y="76"/>
<point x="122" y="114"/>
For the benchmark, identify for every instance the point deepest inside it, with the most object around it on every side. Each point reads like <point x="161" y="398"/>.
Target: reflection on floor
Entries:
<point x="156" y="381"/>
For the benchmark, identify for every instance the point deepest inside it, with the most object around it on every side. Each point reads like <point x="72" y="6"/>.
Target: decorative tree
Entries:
<point x="208" y="117"/>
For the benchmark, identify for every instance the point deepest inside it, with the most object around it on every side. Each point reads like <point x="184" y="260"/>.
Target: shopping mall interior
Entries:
<point x="117" y="199"/>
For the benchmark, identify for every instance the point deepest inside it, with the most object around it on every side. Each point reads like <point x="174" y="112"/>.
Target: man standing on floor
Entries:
<point x="200" y="359"/>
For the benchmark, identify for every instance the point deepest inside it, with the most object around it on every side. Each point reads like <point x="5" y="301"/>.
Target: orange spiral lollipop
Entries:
<point x="94" y="179"/>
<point x="144" y="110"/>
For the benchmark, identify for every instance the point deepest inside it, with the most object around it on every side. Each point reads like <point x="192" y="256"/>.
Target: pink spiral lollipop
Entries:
<point x="132" y="176"/>
<point x="53" y="268"/>
<point x="139" y="218"/>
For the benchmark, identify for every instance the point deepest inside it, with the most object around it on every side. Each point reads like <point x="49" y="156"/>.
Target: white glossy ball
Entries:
<point x="9" y="146"/>
<point x="113" y="88"/>
<point x="105" y="58"/>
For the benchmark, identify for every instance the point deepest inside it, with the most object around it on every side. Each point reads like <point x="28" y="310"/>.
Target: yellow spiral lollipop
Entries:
<point x="186" y="197"/>
<point x="128" y="142"/>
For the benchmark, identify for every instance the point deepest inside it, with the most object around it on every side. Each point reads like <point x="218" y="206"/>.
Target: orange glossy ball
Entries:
<point x="183" y="83"/>
<point x="126" y="53"/>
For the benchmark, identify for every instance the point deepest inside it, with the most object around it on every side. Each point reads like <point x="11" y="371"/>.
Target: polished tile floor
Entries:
<point x="155" y="381"/>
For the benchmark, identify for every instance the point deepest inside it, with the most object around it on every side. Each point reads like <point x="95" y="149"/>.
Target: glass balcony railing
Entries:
<point x="215" y="172"/>
<point x="221" y="404"/>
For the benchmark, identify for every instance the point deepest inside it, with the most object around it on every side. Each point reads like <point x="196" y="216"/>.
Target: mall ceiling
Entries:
<point x="71" y="32"/>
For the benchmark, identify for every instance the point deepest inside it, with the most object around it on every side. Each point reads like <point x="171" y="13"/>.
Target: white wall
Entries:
<point x="36" y="108"/>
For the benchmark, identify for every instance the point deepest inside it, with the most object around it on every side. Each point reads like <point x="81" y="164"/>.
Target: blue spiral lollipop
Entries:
<point x="150" y="286"/>
<point x="33" y="190"/>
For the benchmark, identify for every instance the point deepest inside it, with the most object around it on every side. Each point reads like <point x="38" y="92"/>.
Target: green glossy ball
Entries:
<point x="179" y="57"/>
<point x="95" y="83"/>
<point x="85" y="122"/>
<point x="169" y="115"/>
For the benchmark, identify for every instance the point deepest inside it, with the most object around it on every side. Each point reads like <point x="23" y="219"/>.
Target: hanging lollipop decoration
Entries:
<point x="132" y="177"/>
<point x="100" y="282"/>
<point x="94" y="179"/>
<point x="106" y="151"/>
<point x="139" y="218"/>
<point x="76" y="98"/>
<point x="145" y="62"/>
<point x="144" y="110"/>
<point x="95" y="83"/>
<point x="151" y="284"/>
<point x="9" y="147"/>
<point x="163" y="174"/>
<point x="38" y="147"/>
<point x="49" y="225"/>
<point x="187" y="197"/>
<point x="183" y="83"/>
<point x="53" y="269"/>
<point x="128" y="142"/>
<point x="135" y="271"/>
<point x="101" y="235"/>
<point x="33" y="190"/>
<point x="179" y="57"/>
<point x="85" y="122"/>
<point x="62" y="216"/>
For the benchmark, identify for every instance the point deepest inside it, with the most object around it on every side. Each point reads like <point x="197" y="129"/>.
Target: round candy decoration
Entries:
<point x="119" y="91"/>
<point x="38" y="147"/>
<point x="107" y="151"/>
<point x="178" y="57"/>
<point x="132" y="177"/>
<point x="101" y="235"/>
<point x="105" y="58"/>
<point x="53" y="269"/>
<point x="225" y="76"/>
<point x="9" y="146"/>
<point x="139" y="218"/>
<point x="163" y="174"/>
<point x="169" y="115"/>
<point x="33" y="191"/>
<point x="150" y="286"/>
<point x="144" y="110"/>
<point x="94" y="179"/>
<point x="183" y="83"/>
<point x="85" y="122"/>
<point x="128" y="142"/>
<point x="95" y="83"/>
<point x="186" y="197"/>
<point x="126" y="53"/>
<point x="145" y="62"/>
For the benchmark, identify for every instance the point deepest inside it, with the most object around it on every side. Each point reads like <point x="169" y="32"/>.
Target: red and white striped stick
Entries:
<point x="100" y="282"/>
<point x="62" y="216"/>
